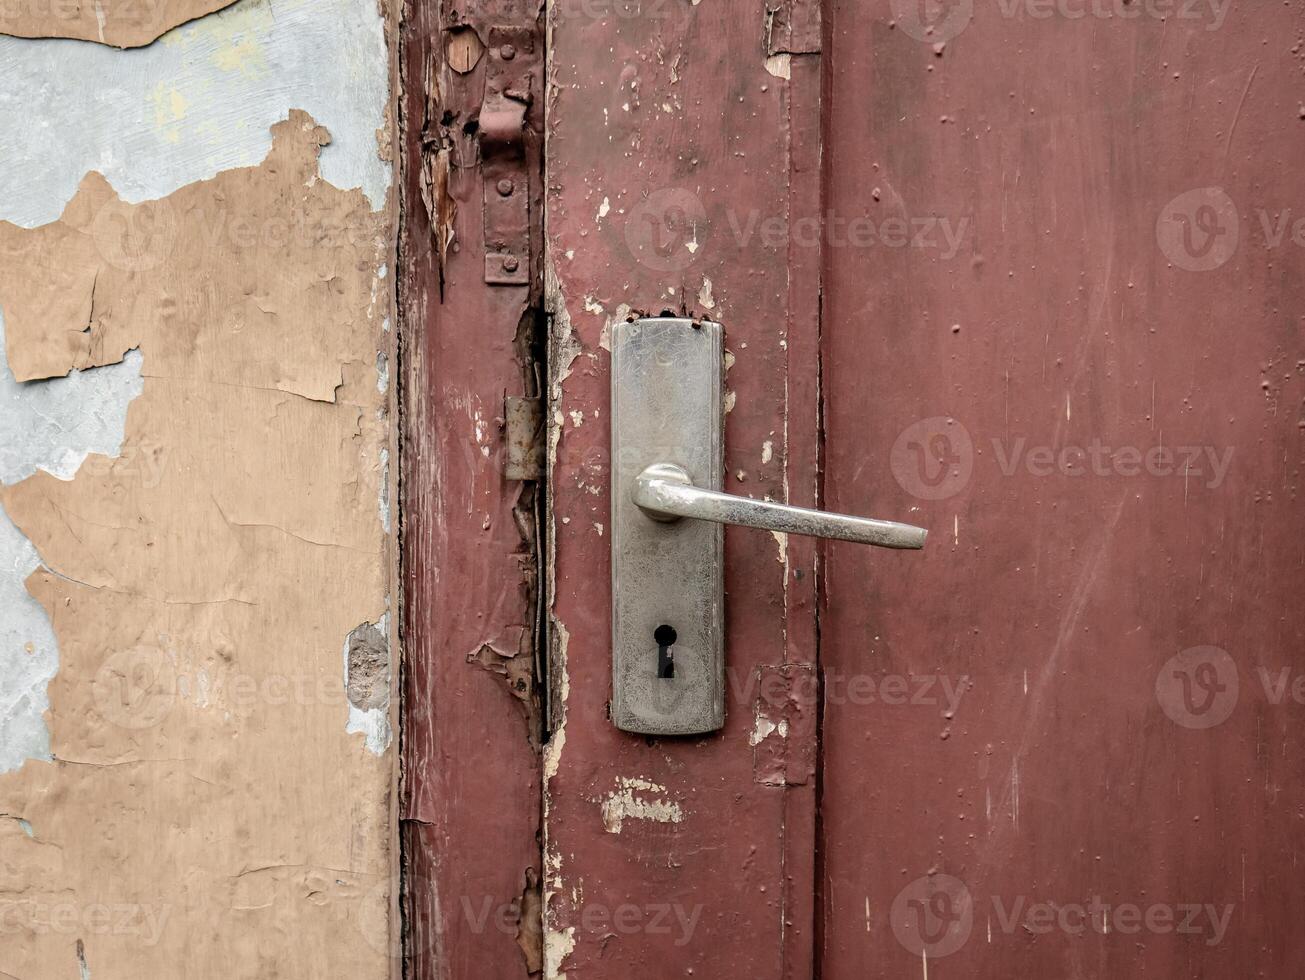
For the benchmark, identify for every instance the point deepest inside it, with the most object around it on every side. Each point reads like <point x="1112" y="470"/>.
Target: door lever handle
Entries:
<point x="667" y="532"/>
<point x="665" y="492"/>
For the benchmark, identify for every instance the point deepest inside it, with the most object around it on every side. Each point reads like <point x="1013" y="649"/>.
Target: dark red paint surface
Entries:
<point x="1062" y="590"/>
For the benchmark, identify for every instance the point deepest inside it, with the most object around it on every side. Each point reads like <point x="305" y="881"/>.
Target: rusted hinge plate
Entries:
<point x="512" y="56"/>
<point x="524" y="428"/>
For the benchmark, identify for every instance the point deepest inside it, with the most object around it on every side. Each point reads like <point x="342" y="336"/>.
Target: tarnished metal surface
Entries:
<point x="666" y="404"/>
<point x="665" y="491"/>
<point x="512" y="67"/>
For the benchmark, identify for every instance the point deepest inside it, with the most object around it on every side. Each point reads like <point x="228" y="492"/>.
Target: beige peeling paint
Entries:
<point x="118" y="23"/>
<point x="204" y="789"/>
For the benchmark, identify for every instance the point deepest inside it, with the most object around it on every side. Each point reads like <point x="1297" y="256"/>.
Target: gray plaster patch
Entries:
<point x="198" y="101"/>
<point x="367" y="680"/>
<point x="52" y="426"/>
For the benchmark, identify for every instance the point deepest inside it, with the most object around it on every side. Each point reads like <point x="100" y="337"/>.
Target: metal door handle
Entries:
<point x="668" y="574"/>
<point x="664" y="492"/>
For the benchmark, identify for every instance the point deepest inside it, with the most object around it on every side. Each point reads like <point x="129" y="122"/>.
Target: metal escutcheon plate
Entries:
<point x="666" y="407"/>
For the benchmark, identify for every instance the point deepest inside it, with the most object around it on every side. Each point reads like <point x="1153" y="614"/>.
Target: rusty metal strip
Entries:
<point x="513" y="56"/>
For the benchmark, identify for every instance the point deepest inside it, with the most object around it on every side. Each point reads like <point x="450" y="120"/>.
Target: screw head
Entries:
<point x="510" y="263"/>
<point x="505" y="187"/>
<point x="507" y="52"/>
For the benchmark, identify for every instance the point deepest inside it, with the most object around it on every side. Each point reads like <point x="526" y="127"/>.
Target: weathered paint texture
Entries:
<point x="224" y="82"/>
<point x="201" y="100"/>
<point x="472" y="703"/>
<point x="50" y="426"/>
<point x="120" y="23"/>
<point x="199" y="601"/>
<point x="964" y="830"/>
<point x="669" y="126"/>
<point x="194" y="457"/>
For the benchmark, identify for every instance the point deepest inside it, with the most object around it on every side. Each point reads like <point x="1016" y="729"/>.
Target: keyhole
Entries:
<point x="665" y="637"/>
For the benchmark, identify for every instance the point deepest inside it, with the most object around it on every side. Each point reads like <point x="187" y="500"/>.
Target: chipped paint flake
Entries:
<point x="780" y="65"/>
<point x="558" y="945"/>
<point x="623" y="804"/>
<point x="705" y="299"/>
<point x="781" y="539"/>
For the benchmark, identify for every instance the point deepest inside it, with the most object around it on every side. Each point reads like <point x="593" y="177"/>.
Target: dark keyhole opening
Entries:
<point x="665" y="637"/>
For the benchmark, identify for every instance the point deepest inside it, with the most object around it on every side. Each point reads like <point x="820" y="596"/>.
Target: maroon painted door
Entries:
<point x="1067" y="742"/>
<point x="680" y="137"/>
<point x="1029" y="273"/>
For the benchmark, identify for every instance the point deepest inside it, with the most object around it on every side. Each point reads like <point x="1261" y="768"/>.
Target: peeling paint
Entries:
<point x="51" y="426"/>
<point x="558" y="945"/>
<point x="764" y="727"/>
<point x="781" y="541"/>
<point x="117" y="23"/>
<point x="201" y="567"/>
<point x="367" y="679"/>
<point x="329" y="58"/>
<point x="622" y="804"/>
<point x="705" y="298"/>
<point x="780" y="65"/>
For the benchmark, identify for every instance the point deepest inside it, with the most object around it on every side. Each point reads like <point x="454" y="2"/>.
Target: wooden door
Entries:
<point x="1094" y="401"/>
<point x="1027" y="273"/>
<point x="679" y="136"/>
